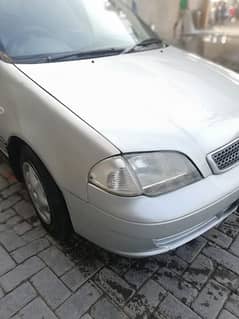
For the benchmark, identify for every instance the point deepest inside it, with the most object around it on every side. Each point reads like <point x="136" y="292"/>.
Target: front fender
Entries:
<point x="67" y="145"/>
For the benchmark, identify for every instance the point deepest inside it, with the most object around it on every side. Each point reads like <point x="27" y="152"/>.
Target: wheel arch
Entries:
<point x="14" y="146"/>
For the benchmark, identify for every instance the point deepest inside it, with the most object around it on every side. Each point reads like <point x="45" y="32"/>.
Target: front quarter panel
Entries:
<point x="67" y="145"/>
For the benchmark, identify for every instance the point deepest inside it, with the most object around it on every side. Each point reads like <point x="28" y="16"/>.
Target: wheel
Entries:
<point x="46" y="197"/>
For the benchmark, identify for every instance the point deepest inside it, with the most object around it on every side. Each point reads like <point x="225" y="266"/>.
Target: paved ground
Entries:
<point x="43" y="279"/>
<point x="230" y="29"/>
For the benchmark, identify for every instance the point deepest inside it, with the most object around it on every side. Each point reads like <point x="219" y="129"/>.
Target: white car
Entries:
<point x="129" y="142"/>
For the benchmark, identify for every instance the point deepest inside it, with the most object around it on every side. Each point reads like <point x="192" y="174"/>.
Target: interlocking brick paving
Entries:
<point x="42" y="278"/>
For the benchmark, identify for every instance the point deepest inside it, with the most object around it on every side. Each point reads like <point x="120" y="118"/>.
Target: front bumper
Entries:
<point x="143" y="226"/>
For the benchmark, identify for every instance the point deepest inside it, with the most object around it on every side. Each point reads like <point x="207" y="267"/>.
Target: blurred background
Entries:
<point x="209" y="28"/>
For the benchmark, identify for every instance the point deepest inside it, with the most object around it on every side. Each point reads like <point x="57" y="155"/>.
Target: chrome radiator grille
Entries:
<point x="225" y="158"/>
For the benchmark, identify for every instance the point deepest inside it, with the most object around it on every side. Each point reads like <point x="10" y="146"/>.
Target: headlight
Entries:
<point x="148" y="174"/>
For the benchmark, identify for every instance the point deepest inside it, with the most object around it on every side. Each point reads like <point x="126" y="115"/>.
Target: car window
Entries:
<point x="29" y="28"/>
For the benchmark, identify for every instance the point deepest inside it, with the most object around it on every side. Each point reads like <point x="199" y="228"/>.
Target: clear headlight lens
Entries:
<point x="115" y="176"/>
<point x="148" y="174"/>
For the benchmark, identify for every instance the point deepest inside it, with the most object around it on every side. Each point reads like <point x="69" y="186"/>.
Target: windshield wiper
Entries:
<point x="143" y="44"/>
<point x="85" y="55"/>
<point x="54" y="57"/>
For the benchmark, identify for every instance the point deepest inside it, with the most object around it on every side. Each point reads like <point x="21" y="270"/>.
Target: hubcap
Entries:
<point x="37" y="192"/>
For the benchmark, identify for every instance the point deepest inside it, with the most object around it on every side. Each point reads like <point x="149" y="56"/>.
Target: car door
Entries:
<point x="7" y="103"/>
<point x="2" y="139"/>
<point x="3" y="124"/>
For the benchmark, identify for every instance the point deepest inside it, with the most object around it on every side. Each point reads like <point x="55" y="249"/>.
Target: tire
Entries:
<point x="53" y="214"/>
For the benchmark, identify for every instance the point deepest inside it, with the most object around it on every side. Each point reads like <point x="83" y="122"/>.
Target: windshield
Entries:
<point x="47" y="28"/>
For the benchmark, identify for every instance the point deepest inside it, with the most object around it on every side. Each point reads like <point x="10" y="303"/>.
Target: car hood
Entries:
<point x="153" y="100"/>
